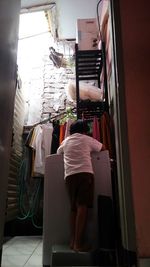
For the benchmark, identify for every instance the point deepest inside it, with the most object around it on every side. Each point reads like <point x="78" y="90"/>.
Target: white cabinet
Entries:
<point x="56" y="203"/>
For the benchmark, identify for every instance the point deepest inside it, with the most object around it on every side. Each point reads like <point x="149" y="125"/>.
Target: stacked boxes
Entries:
<point x="87" y="34"/>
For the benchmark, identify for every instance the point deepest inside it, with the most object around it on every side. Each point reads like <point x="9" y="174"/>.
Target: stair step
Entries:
<point x="64" y="256"/>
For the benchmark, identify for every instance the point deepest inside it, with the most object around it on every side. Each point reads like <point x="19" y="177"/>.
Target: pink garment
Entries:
<point x="106" y="133"/>
<point x="62" y="132"/>
<point x="77" y="150"/>
<point x="96" y="130"/>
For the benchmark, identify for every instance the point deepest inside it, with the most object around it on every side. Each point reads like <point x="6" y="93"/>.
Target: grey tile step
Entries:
<point x="64" y="256"/>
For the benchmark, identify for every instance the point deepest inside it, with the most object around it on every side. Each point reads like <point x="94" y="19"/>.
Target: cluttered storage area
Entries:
<point x="71" y="80"/>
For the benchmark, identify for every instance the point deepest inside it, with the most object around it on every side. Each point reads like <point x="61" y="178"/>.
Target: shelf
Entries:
<point x="89" y="65"/>
<point x="89" y="109"/>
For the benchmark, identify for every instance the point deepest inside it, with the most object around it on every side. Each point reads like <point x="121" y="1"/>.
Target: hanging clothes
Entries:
<point x="43" y="140"/>
<point x="28" y="157"/>
<point x="96" y="129"/>
<point x="55" y="137"/>
<point x="41" y="143"/>
<point x="47" y="138"/>
<point x="106" y="129"/>
<point x="62" y="132"/>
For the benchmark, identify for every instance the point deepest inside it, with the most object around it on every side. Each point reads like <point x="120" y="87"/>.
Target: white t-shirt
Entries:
<point x="41" y="143"/>
<point x="77" y="150"/>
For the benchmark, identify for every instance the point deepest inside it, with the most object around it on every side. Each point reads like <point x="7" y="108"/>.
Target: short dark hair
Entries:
<point x="79" y="126"/>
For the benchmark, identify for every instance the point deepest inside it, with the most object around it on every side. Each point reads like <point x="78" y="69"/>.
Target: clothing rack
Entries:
<point x="89" y="66"/>
<point x="50" y="119"/>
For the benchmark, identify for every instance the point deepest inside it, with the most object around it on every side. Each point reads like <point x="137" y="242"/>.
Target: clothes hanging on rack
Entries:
<point x="46" y="136"/>
<point x="41" y="144"/>
<point x="45" y="139"/>
<point x="107" y="129"/>
<point x="61" y="127"/>
<point x="96" y="129"/>
<point x="102" y="129"/>
<point x="28" y="157"/>
<point x="55" y="136"/>
<point x="62" y="132"/>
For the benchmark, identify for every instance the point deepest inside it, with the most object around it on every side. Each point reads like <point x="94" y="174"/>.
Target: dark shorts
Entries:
<point x="80" y="188"/>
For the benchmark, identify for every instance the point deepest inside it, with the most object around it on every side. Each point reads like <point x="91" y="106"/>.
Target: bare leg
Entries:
<point x="72" y="226"/>
<point x="81" y="220"/>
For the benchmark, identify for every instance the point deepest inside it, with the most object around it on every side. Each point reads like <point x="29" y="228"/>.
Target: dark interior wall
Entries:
<point x="135" y="33"/>
<point x="9" y="24"/>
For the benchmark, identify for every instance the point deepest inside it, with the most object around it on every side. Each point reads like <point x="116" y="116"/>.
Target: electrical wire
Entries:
<point x="98" y="18"/>
<point x="34" y="35"/>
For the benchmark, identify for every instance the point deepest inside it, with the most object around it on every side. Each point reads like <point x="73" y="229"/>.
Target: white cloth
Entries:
<point x="86" y="91"/>
<point x="42" y="145"/>
<point x="77" y="150"/>
<point x="39" y="152"/>
<point x="47" y="137"/>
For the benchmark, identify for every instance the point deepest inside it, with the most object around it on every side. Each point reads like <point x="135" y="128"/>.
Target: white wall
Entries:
<point x="69" y="11"/>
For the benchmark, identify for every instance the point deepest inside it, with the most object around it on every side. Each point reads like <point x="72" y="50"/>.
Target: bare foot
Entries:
<point x="84" y="248"/>
<point x="71" y="245"/>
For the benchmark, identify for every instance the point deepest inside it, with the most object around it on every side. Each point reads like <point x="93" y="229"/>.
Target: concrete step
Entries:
<point x="64" y="256"/>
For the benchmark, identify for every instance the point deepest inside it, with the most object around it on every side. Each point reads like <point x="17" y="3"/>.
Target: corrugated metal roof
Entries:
<point x="31" y="3"/>
<point x="28" y="6"/>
